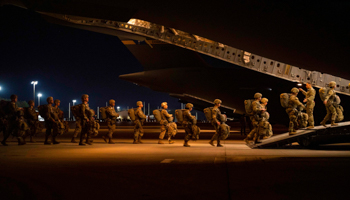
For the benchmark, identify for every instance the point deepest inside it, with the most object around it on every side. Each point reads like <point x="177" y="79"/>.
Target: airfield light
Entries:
<point x="39" y="95"/>
<point x="74" y="101"/>
<point x="34" y="83"/>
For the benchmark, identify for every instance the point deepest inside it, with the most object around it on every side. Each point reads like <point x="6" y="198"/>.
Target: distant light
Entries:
<point x="34" y="82"/>
<point x="118" y="107"/>
<point x="0" y="87"/>
<point x="300" y="84"/>
<point x="40" y="95"/>
<point x="74" y="100"/>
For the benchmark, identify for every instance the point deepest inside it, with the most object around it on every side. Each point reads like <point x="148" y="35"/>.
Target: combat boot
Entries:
<point x="333" y="123"/>
<point x="246" y="140"/>
<point x="46" y="140"/>
<point x="20" y="141"/>
<point x="218" y="144"/>
<point x="54" y="141"/>
<point x="110" y="141"/>
<point x="310" y="127"/>
<point x="105" y="139"/>
<point x="323" y="123"/>
<point x="186" y="144"/>
<point x="32" y="139"/>
<point x="81" y="143"/>
<point x="292" y="132"/>
<point x="88" y="141"/>
<point x="171" y="142"/>
<point x="211" y="142"/>
<point x="135" y="142"/>
<point x="73" y="140"/>
<point x="139" y="140"/>
<point x="160" y="141"/>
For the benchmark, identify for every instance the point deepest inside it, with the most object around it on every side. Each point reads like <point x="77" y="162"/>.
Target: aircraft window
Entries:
<point x="222" y="49"/>
<point x="239" y="55"/>
<point x="337" y="85"/>
<point x="308" y="79"/>
<point x="228" y="52"/>
<point x="271" y="63"/>
<point x="278" y="65"/>
<point x="233" y="54"/>
<point x="217" y="47"/>
<point x="258" y="60"/>
<point x="347" y="87"/>
<point x="264" y="62"/>
<point x="297" y="76"/>
<point x="252" y="57"/>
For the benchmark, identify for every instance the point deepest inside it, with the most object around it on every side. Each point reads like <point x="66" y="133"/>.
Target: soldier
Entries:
<point x="49" y="121"/>
<point x="216" y="117"/>
<point x="83" y="110"/>
<point x="328" y="102"/>
<point x="166" y="119"/>
<point x="188" y="121"/>
<point x="294" y="105"/>
<point x="11" y="111"/>
<point x="139" y="120"/>
<point x="310" y="103"/>
<point x="77" y="130"/>
<point x="265" y="128"/>
<point x="32" y="120"/>
<point x="111" y="121"/>
<point x="257" y="110"/>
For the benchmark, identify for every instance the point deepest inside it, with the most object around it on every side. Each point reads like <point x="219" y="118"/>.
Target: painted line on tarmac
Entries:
<point x="167" y="161"/>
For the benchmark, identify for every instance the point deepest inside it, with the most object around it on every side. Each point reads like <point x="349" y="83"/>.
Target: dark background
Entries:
<point x="67" y="63"/>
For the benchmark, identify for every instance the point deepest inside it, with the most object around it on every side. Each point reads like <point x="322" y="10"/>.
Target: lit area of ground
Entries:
<point x="171" y="171"/>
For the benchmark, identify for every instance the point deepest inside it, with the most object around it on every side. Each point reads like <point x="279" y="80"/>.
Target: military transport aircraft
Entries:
<point x="229" y="50"/>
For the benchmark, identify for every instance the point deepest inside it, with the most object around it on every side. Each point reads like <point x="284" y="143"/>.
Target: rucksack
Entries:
<point x="131" y="113"/>
<point x="179" y="115"/>
<point x="225" y="131"/>
<point x="323" y="93"/>
<point x="284" y="98"/>
<point x="248" y="105"/>
<point x="43" y="110"/>
<point x="340" y="115"/>
<point x="76" y="111"/>
<point x="196" y="131"/>
<point x="103" y="112"/>
<point x="157" y="115"/>
<point x="208" y="113"/>
<point x="337" y="100"/>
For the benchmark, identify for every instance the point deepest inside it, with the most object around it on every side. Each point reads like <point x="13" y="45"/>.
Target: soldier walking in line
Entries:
<point x="111" y="122"/>
<point x="165" y="128"/>
<point x="139" y="120"/>
<point x="49" y="120"/>
<point x="294" y="105"/>
<point x="32" y="120"/>
<point x="83" y="110"/>
<point x="216" y="117"/>
<point x="257" y="109"/>
<point x="310" y="103"/>
<point x="188" y="121"/>
<point x="329" y="103"/>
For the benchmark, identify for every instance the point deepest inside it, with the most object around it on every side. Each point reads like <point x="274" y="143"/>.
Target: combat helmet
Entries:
<point x="332" y="84"/>
<point x="111" y="101"/>
<point x="48" y="99"/>
<point x="57" y="101"/>
<point x="264" y="100"/>
<point x="217" y="101"/>
<point x="139" y="103"/>
<point x="84" y="96"/>
<point x="163" y="104"/>
<point x="294" y="90"/>
<point x="189" y="106"/>
<point x="257" y="95"/>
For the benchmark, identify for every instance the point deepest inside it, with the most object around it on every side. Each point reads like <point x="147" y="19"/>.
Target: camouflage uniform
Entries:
<point x="216" y="116"/>
<point x="310" y="104"/>
<point x="33" y="123"/>
<point x="10" y="122"/>
<point x="188" y="121"/>
<point x="111" y="122"/>
<point x="84" y="108"/>
<point x="256" y="107"/>
<point x="77" y="128"/>
<point x="138" y="129"/>
<point x="165" y="120"/>
<point x="49" y="120"/>
<point x="293" y="109"/>
<point x="331" y="110"/>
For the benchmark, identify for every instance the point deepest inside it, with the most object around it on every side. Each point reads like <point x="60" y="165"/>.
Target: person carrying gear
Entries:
<point x="257" y="109"/>
<point x="83" y="113"/>
<point x="216" y="122"/>
<point x="188" y="122"/>
<point x="78" y="129"/>
<point x="167" y="124"/>
<point x="9" y="122"/>
<point x="292" y="110"/>
<point x="328" y="102"/>
<point x="140" y="118"/>
<point x="49" y="120"/>
<point x="265" y="128"/>
<point x="310" y="103"/>
<point x="111" y="122"/>
<point x="32" y="120"/>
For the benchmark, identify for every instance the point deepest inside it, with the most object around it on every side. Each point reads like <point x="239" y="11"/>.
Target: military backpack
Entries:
<point x="337" y="100"/>
<point x="43" y="110"/>
<point x="131" y="113"/>
<point x="157" y="115"/>
<point x="179" y="115"/>
<point x="103" y="112"/>
<point x="76" y="111"/>
<point x="225" y="131"/>
<point x="284" y="98"/>
<point x="323" y="93"/>
<point x="248" y="105"/>
<point x="340" y="115"/>
<point x="208" y="113"/>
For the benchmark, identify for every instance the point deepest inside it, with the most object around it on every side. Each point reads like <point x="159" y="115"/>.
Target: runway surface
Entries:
<point x="171" y="171"/>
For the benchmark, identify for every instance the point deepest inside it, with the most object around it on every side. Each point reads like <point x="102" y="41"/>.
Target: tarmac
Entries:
<point x="171" y="171"/>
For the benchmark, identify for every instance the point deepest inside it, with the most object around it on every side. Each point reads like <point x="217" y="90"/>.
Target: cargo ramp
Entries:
<point x="308" y="137"/>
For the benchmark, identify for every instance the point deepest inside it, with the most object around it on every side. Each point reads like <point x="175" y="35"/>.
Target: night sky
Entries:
<point x="67" y="63"/>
